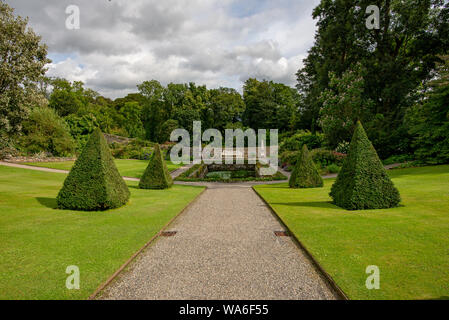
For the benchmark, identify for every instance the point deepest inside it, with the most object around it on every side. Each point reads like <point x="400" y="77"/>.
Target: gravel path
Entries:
<point x="225" y="248"/>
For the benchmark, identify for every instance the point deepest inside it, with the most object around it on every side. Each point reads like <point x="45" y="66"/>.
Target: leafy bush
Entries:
<point x="363" y="182"/>
<point x="6" y="147"/>
<point x="136" y="149"/>
<point x="326" y="158"/>
<point x="333" y="168"/>
<point x="323" y="158"/>
<point x="94" y="182"/>
<point x="156" y="176"/>
<point x="81" y="127"/>
<point x="295" y="142"/>
<point x="398" y="159"/>
<point x="343" y="147"/>
<point x="45" y="131"/>
<point x="305" y="173"/>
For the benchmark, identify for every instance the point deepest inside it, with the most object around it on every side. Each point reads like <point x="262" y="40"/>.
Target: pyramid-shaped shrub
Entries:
<point x="94" y="182"/>
<point x="305" y="173"/>
<point x="156" y="176"/>
<point x="363" y="182"/>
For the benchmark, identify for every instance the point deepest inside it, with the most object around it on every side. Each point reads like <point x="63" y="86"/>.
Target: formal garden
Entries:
<point x="362" y="179"/>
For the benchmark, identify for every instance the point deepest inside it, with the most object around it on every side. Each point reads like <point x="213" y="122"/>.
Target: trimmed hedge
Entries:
<point x="305" y="173"/>
<point x="363" y="182"/>
<point x="94" y="182"/>
<point x="156" y="176"/>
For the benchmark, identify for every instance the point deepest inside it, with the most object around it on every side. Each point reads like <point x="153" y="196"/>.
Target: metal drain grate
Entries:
<point x="168" y="233"/>
<point x="281" y="234"/>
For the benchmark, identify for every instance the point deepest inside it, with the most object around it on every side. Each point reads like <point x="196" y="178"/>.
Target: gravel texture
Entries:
<point x="225" y="248"/>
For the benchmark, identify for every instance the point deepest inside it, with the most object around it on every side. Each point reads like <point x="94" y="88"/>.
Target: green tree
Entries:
<point x="429" y="120"/>
<point x="22" y="65"/>
<point x="343" y="104"/>
<point x="45" y="131"/>
<point x="94" y="183"/>
<point x="397" y="57"/>
<point x="66" y="98"/>
<point x="363" y="182"/>
<point x="166" y="130"/>
<point x="130" y="119"/>
<point x="269" y="105"/>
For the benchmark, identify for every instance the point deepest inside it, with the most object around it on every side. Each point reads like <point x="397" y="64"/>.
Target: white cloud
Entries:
<point x="218" y="43"/>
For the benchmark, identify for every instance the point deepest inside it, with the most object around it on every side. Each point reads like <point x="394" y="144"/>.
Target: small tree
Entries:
<point x="22" y="63"/>
<point x="94" y="182"/>
<point x="305" y="173"/>
<point x="156" y="176"/>
<point x="363" y="182"/>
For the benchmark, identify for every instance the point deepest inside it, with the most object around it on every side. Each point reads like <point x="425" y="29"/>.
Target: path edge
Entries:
<point x="330" y="281"/>
<point x="102" y="286"/>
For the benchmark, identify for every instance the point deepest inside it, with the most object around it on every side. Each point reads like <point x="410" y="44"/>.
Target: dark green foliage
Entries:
<point x="398" y="58"/>
<point x="296" y="141"/>
<point x="156" y="176"/>
<point x="305" y="173"/>
<point x="94" y="182"/>
<point x="429" y="121"/>
<point x="363" y="182"/>
<point x="45" y="131"/>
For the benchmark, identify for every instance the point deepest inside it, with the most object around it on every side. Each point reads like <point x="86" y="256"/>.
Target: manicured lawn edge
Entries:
<point x="146" y="245"/>
<point x="327" y="277"/>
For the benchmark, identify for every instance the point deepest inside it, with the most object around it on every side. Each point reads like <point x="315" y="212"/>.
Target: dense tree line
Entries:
<point x="384" y="67"/>
<point x="394" y="79"/>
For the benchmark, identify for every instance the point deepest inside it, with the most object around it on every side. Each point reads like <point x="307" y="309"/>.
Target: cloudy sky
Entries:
<point x="122" y="43"/>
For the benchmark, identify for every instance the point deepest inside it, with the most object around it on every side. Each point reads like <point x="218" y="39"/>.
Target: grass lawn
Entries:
<point x="409" y="244"/>
<point x="38" y="242"/>
<point x="127" y="168"/>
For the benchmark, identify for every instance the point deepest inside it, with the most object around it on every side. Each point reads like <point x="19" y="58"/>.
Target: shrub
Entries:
<point x="136" y="149"/>
<point x="295" y="142"/>
<point x="343" y="147"/>
<point x="333" y="168"/>
<point x="363" y="182"/>
<point x="46" y="131"/>
<point x="305" y="173"/>
<point x="94" y="182"/>
<point x="156" y="176"/>
<point x="326" y="158"/>
<point x="323" y="158"/>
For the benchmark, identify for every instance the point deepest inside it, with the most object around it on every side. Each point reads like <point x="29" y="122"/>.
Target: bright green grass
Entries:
<point x="127" y="168"/>
<point x="39" y="242"/>
<point x="409" y="244"/>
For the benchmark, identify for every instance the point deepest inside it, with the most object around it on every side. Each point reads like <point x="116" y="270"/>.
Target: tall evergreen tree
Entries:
<point x="397" y="57"/>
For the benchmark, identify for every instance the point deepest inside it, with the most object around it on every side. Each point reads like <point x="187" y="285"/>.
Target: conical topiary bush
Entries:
<point x="305" y="173"/>
<point x="94" y="182"/>
<point x="156" y="176"/>
<point x="363" y="182"/>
